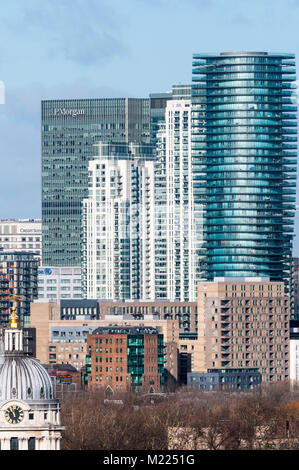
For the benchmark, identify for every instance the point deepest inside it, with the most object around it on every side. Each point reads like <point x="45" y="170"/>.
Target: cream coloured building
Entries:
<point x="29" y="411"/>
<point x="21" y="235"/>
<point x="178" y="223"/>
<point x="59" y="282"/>
<point x="65" y="341"/>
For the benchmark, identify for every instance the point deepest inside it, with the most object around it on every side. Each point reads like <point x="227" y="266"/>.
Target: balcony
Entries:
<point x="225" y="333"/>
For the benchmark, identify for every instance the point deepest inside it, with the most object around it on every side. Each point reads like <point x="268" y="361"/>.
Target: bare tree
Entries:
<point x="186" y="419"/>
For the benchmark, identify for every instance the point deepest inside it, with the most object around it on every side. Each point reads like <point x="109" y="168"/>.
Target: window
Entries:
<point x="31" y="443"/>
<point x="14" y="443"/>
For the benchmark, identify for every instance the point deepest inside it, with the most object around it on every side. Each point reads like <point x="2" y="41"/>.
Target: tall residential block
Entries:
<point x="177" y="226"/>
<point x="244" y="162"/>
<point x="70" y="128"/>
<point x="62" y="331"/>
<point x="4" y="298"/>
<point x="244" y="324"/>
<point x="118" y="224"/>
<point x="20" y="271"/>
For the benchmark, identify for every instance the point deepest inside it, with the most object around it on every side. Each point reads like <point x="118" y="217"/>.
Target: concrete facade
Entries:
<point x="184" y="312"/>
<point x="60" y="282"/>
<point x="65" y="341"/>
<point x="21" y="235"/>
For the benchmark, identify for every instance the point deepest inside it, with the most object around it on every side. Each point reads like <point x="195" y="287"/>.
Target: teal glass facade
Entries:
<point x="244" y="150"/>
<point x="70" y="128"/>
<point x="135" y="360"/>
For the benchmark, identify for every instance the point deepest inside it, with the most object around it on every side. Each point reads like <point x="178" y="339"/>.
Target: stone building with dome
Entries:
<point x="29" y="411"/>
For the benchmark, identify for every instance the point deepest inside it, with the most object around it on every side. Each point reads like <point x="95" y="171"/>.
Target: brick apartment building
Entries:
<point x="126" y="358"/>
<point x="244" y="323"/>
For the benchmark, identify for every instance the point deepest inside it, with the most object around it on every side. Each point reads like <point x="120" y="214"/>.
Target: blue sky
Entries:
<point x="111" y="48"/>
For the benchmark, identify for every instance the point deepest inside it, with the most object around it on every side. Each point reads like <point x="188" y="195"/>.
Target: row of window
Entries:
<point x="14" y="443"/>
<point x="109" y="378"/>
<point x="62" y="296"/>
<point x="106" y="350"/>
<point x="110" y="340"/>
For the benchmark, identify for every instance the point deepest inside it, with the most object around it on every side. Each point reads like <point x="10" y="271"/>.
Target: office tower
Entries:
<point x="158" y="103"/>
<point x="160" y="214"/>
<point x="20" y="270"/>
<point x="21" y="235"/>
<point x="70" y="128"/>
<point x="244" y="323"/>
<point x="244" y="161"/>
<point x="118" y="223"/>
<point x="59" y="283"/>
<point x="177" y="230"/>
<point x="181" y="92"/>
<point x="57" y="325"/>
<point x="135" y="358"/>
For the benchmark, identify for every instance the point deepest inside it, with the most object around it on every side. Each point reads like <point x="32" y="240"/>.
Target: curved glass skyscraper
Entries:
<point x="244" y="161"/>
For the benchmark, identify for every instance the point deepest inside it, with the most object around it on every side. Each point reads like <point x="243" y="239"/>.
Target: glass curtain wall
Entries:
<point x="244" y="146"/>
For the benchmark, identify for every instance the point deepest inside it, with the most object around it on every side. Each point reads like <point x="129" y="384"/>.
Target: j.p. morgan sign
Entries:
<point x="68" y="112"/>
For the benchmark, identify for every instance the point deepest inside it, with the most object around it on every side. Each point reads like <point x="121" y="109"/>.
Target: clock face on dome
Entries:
<point x="14" y="414"/>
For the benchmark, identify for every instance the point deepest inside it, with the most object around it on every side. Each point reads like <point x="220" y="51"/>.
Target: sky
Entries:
<point x="111" y="48"/>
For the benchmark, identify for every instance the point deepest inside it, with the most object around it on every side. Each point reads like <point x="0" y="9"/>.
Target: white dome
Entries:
<point x="24" y="378"/>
